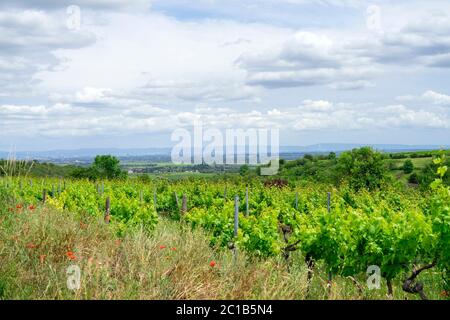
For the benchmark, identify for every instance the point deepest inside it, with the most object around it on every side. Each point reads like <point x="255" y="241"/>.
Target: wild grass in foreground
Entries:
<point x="38" y="244"/>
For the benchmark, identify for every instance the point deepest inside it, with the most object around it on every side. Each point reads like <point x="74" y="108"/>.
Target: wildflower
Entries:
<point x="19" y="206"/>
<point x="42" y="258"/>
<point x="31" y="207"/>
<point x="31" y="246"/>
<point x="212" y="264"/>
<point x="173" y="249"/>
<point x="70" y="255"/>
<point x="162" y="247"/>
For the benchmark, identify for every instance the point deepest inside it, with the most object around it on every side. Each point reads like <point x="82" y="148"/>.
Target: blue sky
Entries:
<point x="131" y="72"/>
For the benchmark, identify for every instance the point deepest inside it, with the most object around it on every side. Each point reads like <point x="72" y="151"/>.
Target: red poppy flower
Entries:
<point x="31" y="207"/>
<point x="70" y="255"/>
<point x="173" y="249"/>
<point x="162" y="247"/>
<point x="19" y="206"/>
<point x="212" y="264"/>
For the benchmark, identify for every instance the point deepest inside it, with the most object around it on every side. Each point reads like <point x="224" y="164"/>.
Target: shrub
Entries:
<point x="408" y="167"/>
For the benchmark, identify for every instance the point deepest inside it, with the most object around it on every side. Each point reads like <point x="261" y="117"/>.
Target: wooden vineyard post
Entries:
<point x="184" y="204"/>
<point x="44" y="196"/>
<point x="176" y="200"/>
<point x="236" y="226"/>
<point x="246" y="202"/>
<point x="108" y="210"/>
<point x="329" y="202"/>
<point x="330" y="276"/>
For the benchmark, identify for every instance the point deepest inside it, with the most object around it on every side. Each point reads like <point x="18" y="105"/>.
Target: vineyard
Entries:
<point x="402" y="231"/>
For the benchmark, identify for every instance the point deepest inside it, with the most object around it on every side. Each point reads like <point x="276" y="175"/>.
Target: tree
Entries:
<point x="362" y="168"/>
<point x="408" y="166"/>
<point x="108" y="167"/>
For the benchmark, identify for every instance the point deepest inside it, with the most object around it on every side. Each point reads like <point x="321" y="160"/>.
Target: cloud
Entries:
<point x="437" y="98"/>
<point x="345" y="61"/>
<point x="307" y="59"/>
<point x="64" y="120"/>
<point x="430" y="97"/>
<point x="28" y="40"/>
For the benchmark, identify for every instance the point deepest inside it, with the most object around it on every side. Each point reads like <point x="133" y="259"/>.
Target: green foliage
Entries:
<point x="362" y="168"/>
<point x="392" y="228"/>
<point x="104" y="167"/>
<point x="408" y="166"/>
<point x="428" y="174"/>
<point x="413" y="178"/>
<point x="108" y="167"/>
<point x="244" y="170"/>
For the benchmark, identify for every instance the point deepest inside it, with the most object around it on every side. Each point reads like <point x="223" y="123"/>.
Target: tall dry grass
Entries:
<point x="12" y="167"/>
<point x="37" y="245"/>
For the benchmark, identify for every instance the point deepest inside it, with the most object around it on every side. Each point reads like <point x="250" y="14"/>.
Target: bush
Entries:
<point x="408" y="167"/>
<point x="362" y="168"/>
<point x="413" y="178"/>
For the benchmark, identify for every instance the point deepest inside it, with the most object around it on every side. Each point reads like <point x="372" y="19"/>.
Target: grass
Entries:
<point x="172" y="262"/>
<point x="419" y="163"/>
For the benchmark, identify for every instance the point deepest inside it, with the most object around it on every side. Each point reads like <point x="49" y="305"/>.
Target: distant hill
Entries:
<point x="85" y="155"/>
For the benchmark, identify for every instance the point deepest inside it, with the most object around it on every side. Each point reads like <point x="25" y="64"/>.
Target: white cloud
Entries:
<point x="437" y="98"/>
<point x="28" y="40"/>
<point x="141" y="71"/>
<point x="66" y="120"/>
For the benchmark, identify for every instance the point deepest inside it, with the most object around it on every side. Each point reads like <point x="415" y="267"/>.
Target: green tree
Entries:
<point x="108" y="167"/>
<point x="362" y="168"/>
<point x="408" y="166"/>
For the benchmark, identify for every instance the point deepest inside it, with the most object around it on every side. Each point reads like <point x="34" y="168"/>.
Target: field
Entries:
<point x="192" y="238"/>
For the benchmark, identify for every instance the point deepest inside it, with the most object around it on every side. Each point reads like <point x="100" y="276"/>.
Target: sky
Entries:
<point x="127" y="74"/>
